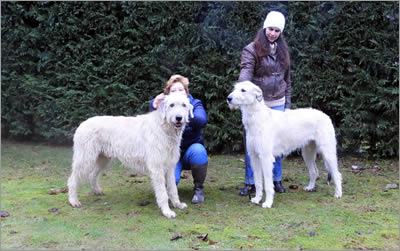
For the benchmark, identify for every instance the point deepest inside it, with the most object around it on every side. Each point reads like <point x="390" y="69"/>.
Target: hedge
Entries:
<point x="63" y="62"/>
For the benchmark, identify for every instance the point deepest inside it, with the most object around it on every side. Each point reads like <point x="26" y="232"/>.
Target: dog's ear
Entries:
<point x="191" y="110"/>
<point x="259" y="95"/>
<point x="163" y="108"/>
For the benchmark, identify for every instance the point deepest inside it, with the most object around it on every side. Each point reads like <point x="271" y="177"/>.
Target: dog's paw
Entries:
<point x="75" y="203"/>
<point x="180" y="205"/>
<point x="267" y="204"/>
<point x="338" y="194"/>
<point x="255" y="200"/>
<point x="99" y="193"/>
<point x="310" y="188"/>
<point x="169" y="214"/>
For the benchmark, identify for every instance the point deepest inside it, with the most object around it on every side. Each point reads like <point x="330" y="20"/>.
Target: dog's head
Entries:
<point x="176" y="109"/>
<point x="244" y="93"/>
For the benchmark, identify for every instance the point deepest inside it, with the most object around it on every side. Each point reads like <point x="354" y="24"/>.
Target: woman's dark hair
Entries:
<point x="262" y="47"/>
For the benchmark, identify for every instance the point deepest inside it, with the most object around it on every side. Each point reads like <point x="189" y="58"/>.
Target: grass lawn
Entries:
<point x="366" y="217"/>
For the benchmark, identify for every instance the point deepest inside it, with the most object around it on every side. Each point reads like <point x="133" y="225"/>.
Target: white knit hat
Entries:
<point x="275" y="19"/>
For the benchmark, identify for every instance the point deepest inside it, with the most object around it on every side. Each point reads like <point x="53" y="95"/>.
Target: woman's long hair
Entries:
<point x="262" y="47"/>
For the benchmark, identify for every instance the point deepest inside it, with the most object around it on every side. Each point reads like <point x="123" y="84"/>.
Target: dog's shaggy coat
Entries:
<point x="271" y="133"/>
<point x="147" y="143"/>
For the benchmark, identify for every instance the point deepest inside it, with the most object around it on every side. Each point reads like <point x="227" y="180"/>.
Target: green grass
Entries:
<point x="367" y="217"/>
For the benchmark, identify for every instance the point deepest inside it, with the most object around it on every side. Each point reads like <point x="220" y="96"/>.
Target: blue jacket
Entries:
<point x="192" y="133"/>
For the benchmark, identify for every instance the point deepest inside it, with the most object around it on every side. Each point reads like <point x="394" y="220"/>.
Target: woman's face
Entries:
<point x="177" y="87"/>
<point x="272" y="33"/>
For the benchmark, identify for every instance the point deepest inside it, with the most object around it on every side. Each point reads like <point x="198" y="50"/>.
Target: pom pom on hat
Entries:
<point x="275" y="19"/>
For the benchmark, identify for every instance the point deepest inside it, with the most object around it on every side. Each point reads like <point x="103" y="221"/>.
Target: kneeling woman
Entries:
<point x="193" y="153"/>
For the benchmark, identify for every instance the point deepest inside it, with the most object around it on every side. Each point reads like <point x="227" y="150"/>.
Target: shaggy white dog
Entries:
<point x="271" y="133"/>
<point x="148" y="143"/>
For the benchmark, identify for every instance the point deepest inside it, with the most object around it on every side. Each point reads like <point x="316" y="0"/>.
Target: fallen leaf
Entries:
<point x="250" y="245"/>
<point x="132" y="212"/>
<point x="202" y="237"/>
<point x="211" y="242"/>
<point x="63" y="190"/>
<point x="357" y="168"/>
<point x="252" y="237"/>
<point x="144" y="203"/>
<point x="53" y="192"/>
<point x="4" y="214"/>
<point x="391" y="186"/>
<point x="175" y="237"/>
<point x="137" y="181"/>
<point x="375" y="169"/>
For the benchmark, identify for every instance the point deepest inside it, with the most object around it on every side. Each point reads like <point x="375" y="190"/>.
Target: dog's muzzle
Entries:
<point x="229" y="101"/>
<point x="178" y="122"/>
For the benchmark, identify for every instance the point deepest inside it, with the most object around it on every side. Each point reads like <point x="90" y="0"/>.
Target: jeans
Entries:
<point x="277" y="170"/>
<point x="195" y="154"/>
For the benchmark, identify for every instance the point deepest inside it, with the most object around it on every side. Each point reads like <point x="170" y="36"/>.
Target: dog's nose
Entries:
<point x="178" y="118"/>
<point x="229" y="98"/>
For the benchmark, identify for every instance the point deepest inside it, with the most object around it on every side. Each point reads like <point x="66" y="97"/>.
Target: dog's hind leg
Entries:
<point x="83" y="162"/>
<point x="331" y="165"/>
<point x="101" y="164"/>
<point x="309" y="153"/>
<point x="73" y="185"/>
<point x="76" y="177"/>
<point x="267" y="166"/>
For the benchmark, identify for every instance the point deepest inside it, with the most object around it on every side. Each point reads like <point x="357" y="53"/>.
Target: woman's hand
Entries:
<point x="158" y="100"/>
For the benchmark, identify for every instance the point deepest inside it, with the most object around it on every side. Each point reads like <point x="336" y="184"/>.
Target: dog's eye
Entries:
<point x="171" y="105"/>
<point x="184" y="105"/>
<point x="243" y="90"/>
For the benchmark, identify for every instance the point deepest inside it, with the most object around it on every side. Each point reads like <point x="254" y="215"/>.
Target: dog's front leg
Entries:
<point x="267" y="167"/>
<point x="172" y="189"/>
<point x="255" y="164"/>
<point x="159" y="185"/>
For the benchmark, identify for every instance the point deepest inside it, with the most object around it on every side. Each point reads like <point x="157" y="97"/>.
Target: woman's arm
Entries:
<point x="199" y="120"/>
<point x="247" y="64"/>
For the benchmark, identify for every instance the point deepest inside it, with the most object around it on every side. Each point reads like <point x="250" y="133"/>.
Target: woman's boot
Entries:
<point x="199" y="173"/>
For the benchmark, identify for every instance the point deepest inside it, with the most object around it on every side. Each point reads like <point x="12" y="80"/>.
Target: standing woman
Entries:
<point x="266" y="63"/>
<point x="193" y="153"/>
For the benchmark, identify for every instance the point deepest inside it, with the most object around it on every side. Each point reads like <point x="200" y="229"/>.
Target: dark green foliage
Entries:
<point x="345" y="62"/>
<point x="63" y="62"/>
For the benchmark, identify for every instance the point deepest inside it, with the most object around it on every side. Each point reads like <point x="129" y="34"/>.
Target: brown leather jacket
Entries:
<point x="267" y="74"/>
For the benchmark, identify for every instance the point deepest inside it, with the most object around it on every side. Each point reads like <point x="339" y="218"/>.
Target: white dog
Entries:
<point x="148" y="143"/>
<point x="271" y="133"/>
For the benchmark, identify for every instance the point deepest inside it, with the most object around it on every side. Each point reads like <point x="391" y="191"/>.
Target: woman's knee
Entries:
<point x="198" y="154"/>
